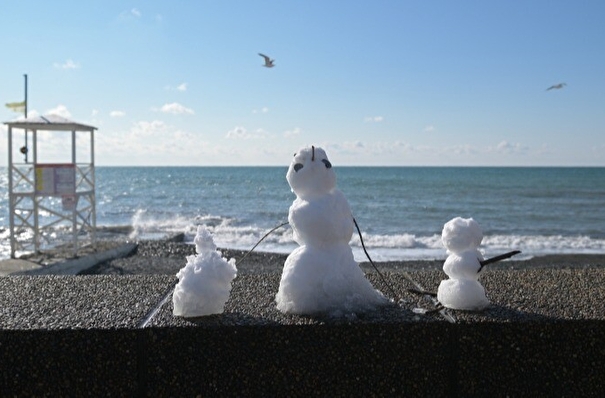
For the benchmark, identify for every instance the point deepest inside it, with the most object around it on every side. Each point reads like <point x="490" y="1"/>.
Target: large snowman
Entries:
<point x="321" y="276"/>
<point x="462" y="237"/>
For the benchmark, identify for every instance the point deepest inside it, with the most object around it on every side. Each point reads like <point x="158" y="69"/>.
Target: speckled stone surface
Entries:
<point x="542" y="335"/>
<point x="78" y="302"/>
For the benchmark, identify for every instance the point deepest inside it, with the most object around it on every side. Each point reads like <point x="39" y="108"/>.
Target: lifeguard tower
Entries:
<point x="51" y="204"/>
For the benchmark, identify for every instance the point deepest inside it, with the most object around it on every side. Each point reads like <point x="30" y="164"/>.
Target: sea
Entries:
<point x="400" y="210"/>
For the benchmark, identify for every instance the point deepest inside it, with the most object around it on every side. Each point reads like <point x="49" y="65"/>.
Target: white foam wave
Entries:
<point x="148" y="226"/>
<point x="228" y="233"/>
<point x="233" y="234"/>
<point x="406" y="241"/>
<point x="408" y="246"/>
<point x="5" y="249"/>
<point x="540" y="244"/>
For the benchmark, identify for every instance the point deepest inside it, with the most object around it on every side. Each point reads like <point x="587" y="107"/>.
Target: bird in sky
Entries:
<point x="268" y="61"/>
<point x="556" y="86"/>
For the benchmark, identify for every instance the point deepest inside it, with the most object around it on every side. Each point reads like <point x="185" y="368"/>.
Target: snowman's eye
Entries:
<point x="327" y="163"/>
<point x="298" y="166"/>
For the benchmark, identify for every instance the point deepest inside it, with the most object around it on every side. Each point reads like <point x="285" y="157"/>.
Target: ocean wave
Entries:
<point x="233" y="234"/>
<point x="403" y="246"/>
<point x="542" y="244"/>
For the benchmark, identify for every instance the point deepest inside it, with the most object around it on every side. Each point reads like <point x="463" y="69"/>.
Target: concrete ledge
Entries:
<point x="436" y="359"/>
<point x="77" y="265"/>
<point x="81" y="335"/>
<point x="15" y="266"/>
<point x="68" y="363"/>
<point x="379" y="360"/>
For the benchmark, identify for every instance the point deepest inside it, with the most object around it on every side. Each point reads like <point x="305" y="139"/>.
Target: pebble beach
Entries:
<point x="544" y="287"/>
<point x="166" y="257"/>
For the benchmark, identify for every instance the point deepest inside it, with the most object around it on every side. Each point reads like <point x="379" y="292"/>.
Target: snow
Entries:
<point x="462" y="294"/>
<point x="321" y="275"/>
<point x="462" y="291"/>
<point x="205" y="281"/>
<point x="460" y="234"/>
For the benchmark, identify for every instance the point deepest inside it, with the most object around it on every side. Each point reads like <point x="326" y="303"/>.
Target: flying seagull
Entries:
<point x="556" y="86"/>
<point x="268" y="61"/>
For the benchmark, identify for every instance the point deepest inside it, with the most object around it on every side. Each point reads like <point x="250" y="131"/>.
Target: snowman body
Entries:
<point x="462" y="291"/>
<point x="321" y="275"/>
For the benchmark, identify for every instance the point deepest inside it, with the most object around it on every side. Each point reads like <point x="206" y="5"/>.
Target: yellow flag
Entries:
<point x="16" y="106"/>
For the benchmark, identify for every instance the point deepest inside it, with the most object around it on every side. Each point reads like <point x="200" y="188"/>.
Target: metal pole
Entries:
<point x="93" y="197"/>
<point x="11" y="199"/>
<point x="74" y="211"/>
<point x="25" y="75"/>
<point x="36" y="209"/>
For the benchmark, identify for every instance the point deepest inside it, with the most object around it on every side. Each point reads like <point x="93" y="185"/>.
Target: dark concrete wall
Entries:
<point x="556" y="358"/>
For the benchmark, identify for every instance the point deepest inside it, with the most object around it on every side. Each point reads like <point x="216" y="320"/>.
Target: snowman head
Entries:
<point x="310" y="174"/>
<point x="203" y="240"/>
<point x="461" y="234"/>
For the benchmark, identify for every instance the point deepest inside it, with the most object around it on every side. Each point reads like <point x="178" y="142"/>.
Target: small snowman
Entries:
<point x="205" y="281"/>
<point x="321" y="275"/>
<point x="462" y="291"/>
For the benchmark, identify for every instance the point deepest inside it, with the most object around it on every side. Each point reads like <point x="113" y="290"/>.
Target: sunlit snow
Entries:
<point x="321" y="275"/>
<point x="462" y="291"/>
<point x="205" y="281"/>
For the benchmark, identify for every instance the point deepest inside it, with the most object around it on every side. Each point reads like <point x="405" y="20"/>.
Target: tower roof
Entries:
<point x="49" y="122"/>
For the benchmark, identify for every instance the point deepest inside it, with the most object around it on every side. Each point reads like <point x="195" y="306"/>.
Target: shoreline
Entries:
<point x="167" y="257"/>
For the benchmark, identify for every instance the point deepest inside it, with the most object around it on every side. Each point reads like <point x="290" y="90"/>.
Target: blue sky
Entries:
<point x="373" y="82"/>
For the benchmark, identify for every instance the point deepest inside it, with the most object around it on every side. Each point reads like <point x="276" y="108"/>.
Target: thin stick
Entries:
<point x="263" y="238"/>
<point x="372" y="262"/>
<point x="422" y="292"/>
<point x="497" y="258"/>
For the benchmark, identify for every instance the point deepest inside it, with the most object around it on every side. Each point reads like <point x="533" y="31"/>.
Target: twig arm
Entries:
<point x="258" y="243"/>
<point x="422" y="292"/>
<point x="395" y="297"/>
<point x="497" y="258"/>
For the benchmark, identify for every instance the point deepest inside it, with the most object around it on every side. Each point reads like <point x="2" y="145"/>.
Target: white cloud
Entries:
<point x="462" y="149"/>
<point x="3" y="143"/>
<point x="264" y="109"/>
<point x="117" y="113"/>
<point x="94" y="112"/>
<point x="347" y="147"/>
<point x="133" y="13"/>
<point x="545" y="149"/>
<point x="237" y="132"/>
<point x="60" y="110"/>
<point x="181" y="87"/>
<point x="176" y="109"/>
<point x="30" y="113"/>
<point x="429" y="129"/>
<point x="374" y="119"/>
<point x="507" y="147"/>
<point x="144" y="128"/>
<point x="68" y="64"/>
<point x="291" y="133"/>
<point x="240" y="132"/>
<point x="150" y="142"/>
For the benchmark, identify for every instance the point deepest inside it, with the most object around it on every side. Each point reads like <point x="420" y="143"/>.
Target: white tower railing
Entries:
<point x="50" y="204"/>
